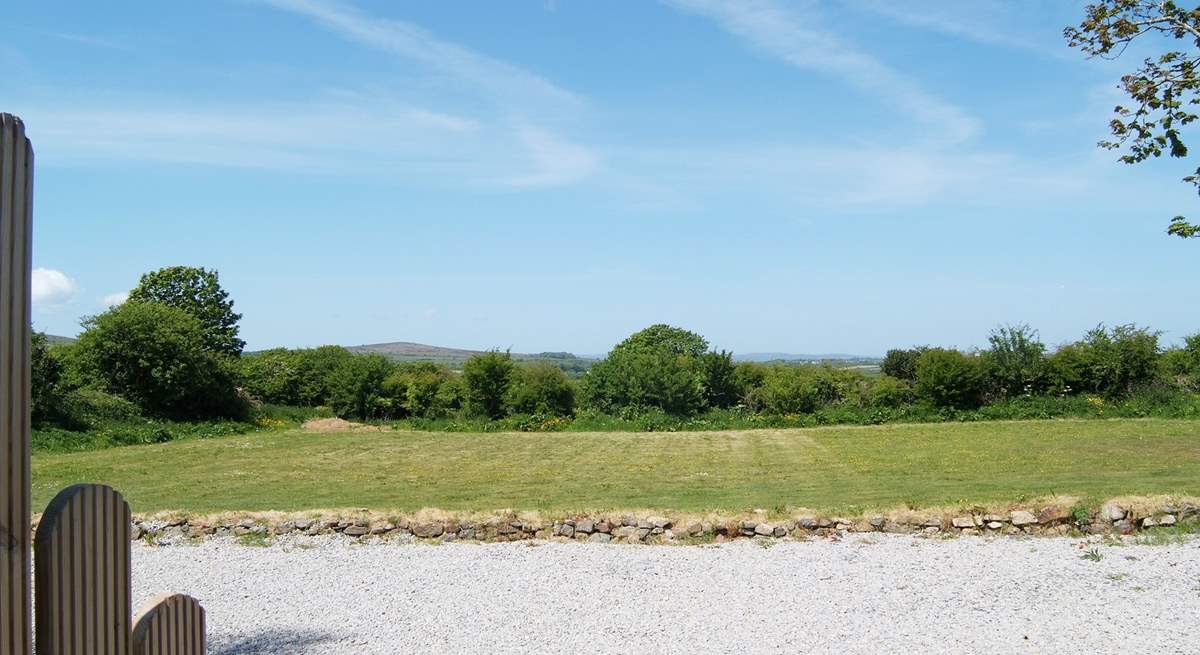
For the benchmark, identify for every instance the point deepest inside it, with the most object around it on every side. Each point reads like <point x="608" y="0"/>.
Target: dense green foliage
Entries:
<point x="145" y="370"/>
<point x="155" y="356"/>
<point x="949" y="378"/>
<point x="488" y="377"/>
<point x="542" y="389"/>
<point x="198" y="292"/>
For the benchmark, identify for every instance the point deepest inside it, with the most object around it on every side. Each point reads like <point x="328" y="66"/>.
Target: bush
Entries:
<point x="356" y="388"/>
<point x="801" y="389"/>
<point x="721" y="387"/>
<point x="487" y="379"/>
<point x="1108" y="362"/>
<point x="46" y="372"/>
<point x="155" y="356"/>
<point x="948" y="378"/>
<point x="273" y="376"/>
<point x="887" y="391"/>
<point x="639" y="380"/>
<point x="902" y="363"/>
<point x="542" y="390"/>
<point x="1182" y="365"/>
<point x="1016" y="362"/>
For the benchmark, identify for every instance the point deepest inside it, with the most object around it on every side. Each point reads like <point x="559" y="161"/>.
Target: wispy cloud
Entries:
<point x="792" y="36"/>
<point x="981" y="21"/>
<point x="370" y="136"/>
<point x="84" y="39"/>
<point x="509" y="84"/>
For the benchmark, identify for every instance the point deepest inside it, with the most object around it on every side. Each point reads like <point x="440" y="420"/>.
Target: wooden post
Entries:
<point x="82" y="560"/>
<point x="16" y="213"/>
<point x="171" y="624"/>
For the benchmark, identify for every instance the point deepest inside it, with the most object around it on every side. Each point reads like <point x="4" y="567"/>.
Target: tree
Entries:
<point x="198" y="292"/>
<point x="658" y="367"/>
<point x="487" y="378"/>
<point x="1163" y="90"/>
<point x="664" y="338"/>
<point x="155" y="355"/>
<point x="1016" y="361"/>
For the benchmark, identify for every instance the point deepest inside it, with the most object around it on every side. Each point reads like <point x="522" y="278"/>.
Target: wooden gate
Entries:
<point x="82" y="545"/>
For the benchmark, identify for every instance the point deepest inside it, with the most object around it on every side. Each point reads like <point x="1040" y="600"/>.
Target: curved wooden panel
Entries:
<point x="171" y="624"/>
<point x="81" y="554"/>
<point x="16" y="212"/>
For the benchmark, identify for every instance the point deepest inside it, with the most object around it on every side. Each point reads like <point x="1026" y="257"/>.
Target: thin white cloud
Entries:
<point x="85" y="39"/>
<point x="52" y="289"/>
<point x="980" y="21"/>
<point x="553" y="161"/>
<point x="510" y="84"/>
<point x="114" y="299"/>
<point x="790" y="35"/>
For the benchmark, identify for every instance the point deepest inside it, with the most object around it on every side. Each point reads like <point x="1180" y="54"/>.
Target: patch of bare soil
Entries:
<point x="339" y="425"/>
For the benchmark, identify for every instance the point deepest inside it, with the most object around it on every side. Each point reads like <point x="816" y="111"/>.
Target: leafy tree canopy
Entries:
<point x="198" y="292"/>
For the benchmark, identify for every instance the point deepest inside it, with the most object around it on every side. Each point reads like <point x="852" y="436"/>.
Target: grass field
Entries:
<point x="837" y="468"/>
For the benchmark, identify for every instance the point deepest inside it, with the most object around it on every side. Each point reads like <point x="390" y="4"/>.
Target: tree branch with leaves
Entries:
<point x="1164" y="90"/>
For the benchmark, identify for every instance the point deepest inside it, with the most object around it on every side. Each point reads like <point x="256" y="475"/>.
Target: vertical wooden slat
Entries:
<point x="81" y="581"/>
<point x="170" y="625"/>
<point x="16" y="184"/>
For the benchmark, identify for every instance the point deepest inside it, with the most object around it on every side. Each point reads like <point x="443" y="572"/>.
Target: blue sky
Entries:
<point x="848" y="175"/>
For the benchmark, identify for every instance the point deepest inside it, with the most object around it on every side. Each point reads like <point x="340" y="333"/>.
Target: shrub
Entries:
<point x="902" y="363"/>
<point x="721" y="387"/>
<point x="1182" y="365"/>
<point x="542" y="390"/>
<point x="1108" y="361"/>
<point x="801" y="389"/>
<point x="487" y="377"/>
<point x="1016" y="362"/>
<point x="948" y="378"/>
<point x="356" y="388"/>
<point x="887" y="391"/>
<point x="46" y="372"/>
<point x="273" y="376"/>
<point x="155" y="355"/>
<point x="645" y="379"/>
<point x="315" y="367"/>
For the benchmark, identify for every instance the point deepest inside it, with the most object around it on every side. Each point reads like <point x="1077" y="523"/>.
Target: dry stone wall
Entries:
<point x="1111" y="518"/>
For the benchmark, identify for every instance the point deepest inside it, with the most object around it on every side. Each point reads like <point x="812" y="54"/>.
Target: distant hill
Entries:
<point x="407" y="351"/>
<point x="55" y="340"/>
<point x="800" y="357"/>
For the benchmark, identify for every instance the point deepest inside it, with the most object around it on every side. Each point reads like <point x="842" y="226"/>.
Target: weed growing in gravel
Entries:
<point x="1092" y="555"/>
<point x="1117" y="577"/>
<point x="254" y="540"/>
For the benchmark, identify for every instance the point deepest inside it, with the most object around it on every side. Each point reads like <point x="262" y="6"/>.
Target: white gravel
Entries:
<point x="864" y="594"/>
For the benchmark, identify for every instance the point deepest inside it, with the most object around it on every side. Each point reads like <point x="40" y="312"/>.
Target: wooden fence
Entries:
<point x="82" y="543"/>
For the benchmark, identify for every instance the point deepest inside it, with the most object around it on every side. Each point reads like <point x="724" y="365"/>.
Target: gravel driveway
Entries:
<point x="863" y="594"/>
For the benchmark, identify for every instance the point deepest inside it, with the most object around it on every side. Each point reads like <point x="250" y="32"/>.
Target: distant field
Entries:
<point x="826" y="468"/>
